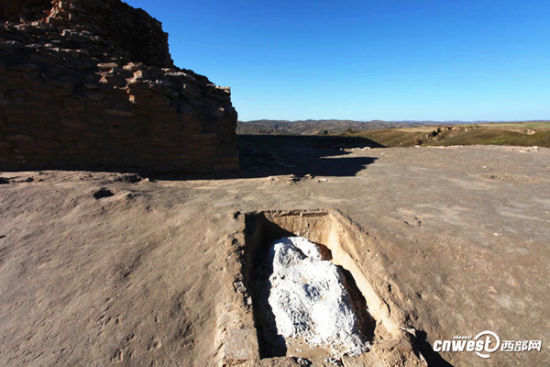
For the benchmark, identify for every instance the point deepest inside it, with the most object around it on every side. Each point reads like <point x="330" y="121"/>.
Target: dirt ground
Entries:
<point x="132" y="275"/>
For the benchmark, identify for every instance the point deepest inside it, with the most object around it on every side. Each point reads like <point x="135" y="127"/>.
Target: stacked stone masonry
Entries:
<point x="90" y="84"/>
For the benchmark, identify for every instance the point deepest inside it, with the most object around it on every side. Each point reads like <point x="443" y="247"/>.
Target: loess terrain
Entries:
<point x="110" y="268"/>
<point x="525" y="134"/>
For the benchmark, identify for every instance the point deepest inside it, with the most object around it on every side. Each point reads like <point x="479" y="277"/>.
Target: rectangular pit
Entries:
<point x="261" y="231"/>
<point x="353" y="251"/>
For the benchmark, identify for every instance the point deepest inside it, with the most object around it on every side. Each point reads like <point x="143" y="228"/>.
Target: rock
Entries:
<point x="107" y="65"/>
<point x="95" y="96"/>
<point x="309" y="300"/>
<point x="303" y="362"/>
<point x="131" y="178"/>
<point x="241" y="345"/>
<point x="239" y="286"/>
<point x="26" y="68"/>
<point x="113" y="112"/>
<point x="19" y="138"/>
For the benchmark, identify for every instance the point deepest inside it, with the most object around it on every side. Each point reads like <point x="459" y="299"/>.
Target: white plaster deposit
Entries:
<point x="308" y="298"/>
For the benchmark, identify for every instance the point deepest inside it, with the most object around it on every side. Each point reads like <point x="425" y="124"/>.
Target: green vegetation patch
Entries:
<point x="523" y="134"/>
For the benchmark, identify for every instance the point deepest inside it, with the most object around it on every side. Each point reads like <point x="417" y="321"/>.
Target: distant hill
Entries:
<point x="519" y="133"/>
<point x="410" y="133"/>
<point x="324" y="127"/>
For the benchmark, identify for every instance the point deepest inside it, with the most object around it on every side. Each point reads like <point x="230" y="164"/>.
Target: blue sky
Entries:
<point x="364" y="60"/>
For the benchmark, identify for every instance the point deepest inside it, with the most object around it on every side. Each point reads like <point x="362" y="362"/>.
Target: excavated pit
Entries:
<point x="248" y="330"/>
<point x="337" y="243"/>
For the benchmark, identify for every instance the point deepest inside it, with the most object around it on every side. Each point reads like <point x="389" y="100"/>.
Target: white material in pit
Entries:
<point x="308" y="298"/>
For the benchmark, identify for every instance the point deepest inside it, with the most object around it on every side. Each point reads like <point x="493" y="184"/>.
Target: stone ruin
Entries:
<point x="91" y="84"/>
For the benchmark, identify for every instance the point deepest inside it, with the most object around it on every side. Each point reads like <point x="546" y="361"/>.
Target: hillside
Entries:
<point x="525" y="134"/>
<point x="322" y="127"/>
<point x="410" y="133"/>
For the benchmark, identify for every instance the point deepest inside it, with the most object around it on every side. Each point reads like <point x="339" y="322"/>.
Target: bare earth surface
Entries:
<point x="135" y="278"/>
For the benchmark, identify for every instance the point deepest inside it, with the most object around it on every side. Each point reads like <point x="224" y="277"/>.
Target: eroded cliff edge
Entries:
<point x="91" y="84"/>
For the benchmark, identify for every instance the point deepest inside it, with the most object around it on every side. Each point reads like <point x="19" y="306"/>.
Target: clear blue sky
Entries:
<point x="363" y="60"/>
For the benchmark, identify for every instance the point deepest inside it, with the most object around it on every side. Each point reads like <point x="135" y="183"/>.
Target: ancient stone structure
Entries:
<point x="91" y="84"/>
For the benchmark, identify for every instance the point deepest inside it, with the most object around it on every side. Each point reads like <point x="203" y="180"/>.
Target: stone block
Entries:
<point x="240" y="345"/>
<point x="107" y="65"/>
<point x="25" y="68"/>
<point x="120" y="113"/>
<point x="74" y="105"/>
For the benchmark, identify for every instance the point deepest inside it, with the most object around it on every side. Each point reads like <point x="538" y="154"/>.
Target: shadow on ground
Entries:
<point x="432" y="358"/>
<point x="267" y="155"/>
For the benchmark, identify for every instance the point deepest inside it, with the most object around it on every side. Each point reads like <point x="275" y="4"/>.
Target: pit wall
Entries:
<point x="331" y="229"/>
<point x="79" y="89"/>
<point x="351" y="248"/>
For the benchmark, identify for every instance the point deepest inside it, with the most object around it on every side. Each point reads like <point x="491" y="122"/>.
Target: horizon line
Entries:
<point x="381" y="120"/>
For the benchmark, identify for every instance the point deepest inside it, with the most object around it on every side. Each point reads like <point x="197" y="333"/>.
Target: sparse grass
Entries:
<point x="524" y="134"/>
<point x="522" y="125"/>
<point x="393" y="137"/>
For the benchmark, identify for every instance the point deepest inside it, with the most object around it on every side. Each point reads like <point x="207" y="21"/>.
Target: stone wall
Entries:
<point x="27" y="9"/>
<point x="91" y="84"/>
